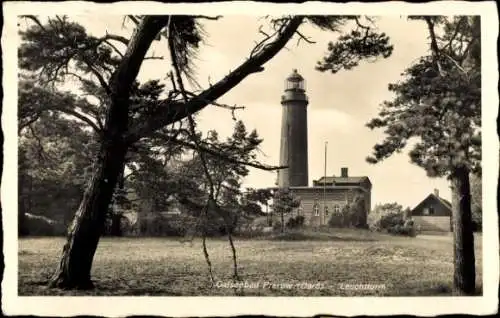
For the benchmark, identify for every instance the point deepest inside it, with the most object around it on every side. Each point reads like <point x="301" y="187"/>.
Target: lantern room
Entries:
<point x="295" y="82"/>
<point x="294" y="89"/>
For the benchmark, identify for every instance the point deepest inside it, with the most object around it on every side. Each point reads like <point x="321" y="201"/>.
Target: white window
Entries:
<point x="316" y="209"/>
<point x="426" y="211"/>
<point x="326" y="210"/>
<point x="336" y="208"/>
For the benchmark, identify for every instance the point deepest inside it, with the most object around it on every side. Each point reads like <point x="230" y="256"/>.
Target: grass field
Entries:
<point x="324" y="265"/>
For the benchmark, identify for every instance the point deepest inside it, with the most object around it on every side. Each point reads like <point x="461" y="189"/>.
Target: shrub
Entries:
<point x="289" y="236"/>
<point x="351" y="215"/>
<point x="277" y="226"/>
<point x="253" y="232"/>
<point x="391" y="218"/>
<point x="336" y="220"/>
<point x="160" y="225"/>
<point x="299" y="219"/>
<point x="295" y="222"/>
<point x="406" y="229"/>
<point x="385" y="216"/>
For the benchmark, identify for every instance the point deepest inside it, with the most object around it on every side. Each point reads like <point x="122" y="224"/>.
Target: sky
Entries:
<point x="339" y="107"/>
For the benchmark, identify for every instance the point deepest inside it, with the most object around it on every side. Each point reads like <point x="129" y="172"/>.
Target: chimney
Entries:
<point x="436" y="192"/>
<point x="343" y="172"/>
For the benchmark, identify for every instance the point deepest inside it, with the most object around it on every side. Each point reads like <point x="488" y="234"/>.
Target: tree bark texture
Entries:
<point x="464" y="277"/>
<point x="87" y="226"/>
<point x="74" y="270"/>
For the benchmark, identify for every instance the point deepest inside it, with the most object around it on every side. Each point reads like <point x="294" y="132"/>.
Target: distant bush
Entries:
<point x="289" y="236"/>
<point x="351" y="215"/>
<point x="253" y="232"/>
<point x="408" y="228"/>
<point x="277" y="226"/>
<point x="393" y="219"/>
<point x="161" y="225"/>
<point x="345" y="219"/>
<point x="184" y="224"/>
<point x="295" y="222"/>
<point x="261" y="221"/>
<point x="337" y="219"/>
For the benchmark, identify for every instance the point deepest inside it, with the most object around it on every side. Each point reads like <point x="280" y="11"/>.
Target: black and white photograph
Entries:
<point x="338" y="156"/>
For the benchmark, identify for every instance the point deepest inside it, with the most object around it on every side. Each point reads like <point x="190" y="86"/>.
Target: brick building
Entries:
<point x="317" y="203"/>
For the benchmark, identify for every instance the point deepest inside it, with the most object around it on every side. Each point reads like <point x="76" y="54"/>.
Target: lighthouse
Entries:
<point x="293" y="149"/>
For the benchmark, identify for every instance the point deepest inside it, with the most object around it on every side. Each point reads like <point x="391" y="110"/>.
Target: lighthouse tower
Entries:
<point x="293" y="150"/>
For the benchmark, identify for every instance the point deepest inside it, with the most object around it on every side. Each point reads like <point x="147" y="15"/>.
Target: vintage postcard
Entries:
<point x="235" y="158"/>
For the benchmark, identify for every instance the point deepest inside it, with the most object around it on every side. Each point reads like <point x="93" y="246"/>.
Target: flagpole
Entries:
<point x="324" y="183"/>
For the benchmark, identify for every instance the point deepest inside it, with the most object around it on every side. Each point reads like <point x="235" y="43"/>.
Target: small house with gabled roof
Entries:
<point x="433" y="214"/>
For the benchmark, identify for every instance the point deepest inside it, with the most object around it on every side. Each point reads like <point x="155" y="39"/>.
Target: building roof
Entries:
<point x="348" y="180"/>
<point x="444" y="202"/>
<point x="321" y="188"/>
<point x="295" y="76"/>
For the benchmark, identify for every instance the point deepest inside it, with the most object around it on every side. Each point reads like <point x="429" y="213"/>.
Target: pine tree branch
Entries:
<point x="153" y="58"/>
<point x="100" y="78"/>
<point x="214" y="103"/>
<point x="225" y="157"/>
<point x="97" y="127"/>
<point x="303" y="37"/>
<point x="207" y="17"/>
<point x="114" y="37"/>
<point x="79" y="116"/>
<point x="359" y="24"/>
<point x="34" y="19"/>
<point x="457" y="65"/>
<point x="260" y="44"/>
<point x="434" y="46"/>
<point x="176" y="110"/>
<point x="114" y="48"/>
<point x="178" y="76"/>
<point x="22" y="125"/>
<point x="40" y="149"/>
<point x="452" y="38"/>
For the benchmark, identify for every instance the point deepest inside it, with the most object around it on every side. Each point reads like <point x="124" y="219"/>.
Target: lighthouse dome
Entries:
<point x="295" y="76"/>
<point x="295" y="81"/>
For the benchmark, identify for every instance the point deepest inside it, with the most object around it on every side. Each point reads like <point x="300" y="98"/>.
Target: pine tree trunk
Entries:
<point x="88" y="224"/>
<point x="464" y="278"/>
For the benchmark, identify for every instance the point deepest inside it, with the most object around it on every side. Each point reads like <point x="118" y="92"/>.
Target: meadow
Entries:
<point x="340" y="263"/>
